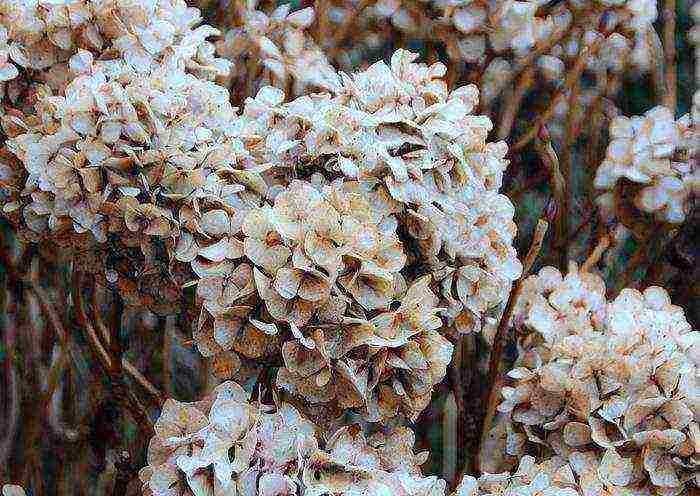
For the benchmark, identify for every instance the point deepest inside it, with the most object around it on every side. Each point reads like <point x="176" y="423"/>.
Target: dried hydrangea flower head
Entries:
<point x="12" y="490"/>
<point x="379" y="367"/>
<point x="552" y="477"/>
<point x="610" y="386"/>
<point x="279" y="43"/>
<point x="382" y="464"/>
<point x="225" y="444"/>
<point x="290" y="218"/>
<point x="650" y="160"/>
<point x="44" y="34"/>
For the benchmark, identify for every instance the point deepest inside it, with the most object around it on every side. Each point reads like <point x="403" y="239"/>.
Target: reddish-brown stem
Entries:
<point x="495" y="379"/>
<point x="557" y="181"/>
<point x="596" y="254"/>
<point x="567" y="155"/>
<point x="457" y="384"/>
<point x="571" y="79"/>
<point x="12" y="410"/>
<point x="123" y="394"/>
<point x="513" y="102"/>
<point x="167" y="356"/>
<point x="669" y="19"/>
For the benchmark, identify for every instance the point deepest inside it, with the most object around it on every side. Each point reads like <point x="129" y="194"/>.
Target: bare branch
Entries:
<point x="494" y="378"/>
<point x="572" y="78"/>
<point x="669" y="19"/>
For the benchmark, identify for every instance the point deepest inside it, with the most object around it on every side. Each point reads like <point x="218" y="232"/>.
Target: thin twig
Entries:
<point x="116" y="344"/>
<point x="598" y="251"/>
<point x="669" y="18"/>
<point x="141" y="380"/>
<point x="103" y="356"/>
<point x="12" y="380"/>
<point x="567" y="158"/>
<point x="558" y="185"/>
<point x="512" y="105"/>
<point x="458" y="392"/>
<point x="53" y="398"/>
<point x="638" y="258"/>
<point x="494" y="378"/>
<point x="97" y="316"/>
<point x="658" y="76"/>
<point x="167" y="356"/>
<point x="124" y="395"/>
<point x="539" y="50"/>
<point x="98" y="351"/>
<point x="571" y="79"/>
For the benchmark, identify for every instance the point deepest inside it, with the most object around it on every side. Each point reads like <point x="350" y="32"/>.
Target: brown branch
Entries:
<point x="455" y="374"/>
<point x="595" y="255"/>
<point x="167" y="355"/>
<point x="344" y="29"/>
<point x="515" y="99"/>
<point x="101" y="354"/>
<point x="52" y="399"/>
<point x="567" y="155"/>
<point x="640" y="254"/>
<point x="495" y="378"/>
<point x="49" y="310"/>
<point x="98" y="351"/>
<point x="546" y="151"/>
<point x="125" y="397"/>
<point x="116" y="345"/>
<point x="669" y="18"/>
<point x="571" y="79"/>
<point x="97" y="316"/>
<point x="156" y="396"/>
<point x="656" y="49"/>
<point x="12" y="380"/>
<point x="532" y="56"/>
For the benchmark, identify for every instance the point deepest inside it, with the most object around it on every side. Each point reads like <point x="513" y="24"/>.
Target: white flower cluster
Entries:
<point x="553" y="477"/>
<point x="304" y="225"/>
<point x="511" y="25"/>
<point x="41" y="35"/>
<point x="655" y="153"/>
<point x="610" y="388"/>
<point x="622" y="36"/>
<point x="279" y="43"/>
<point x="227" y="445"/>
<point x="13" y="490"/>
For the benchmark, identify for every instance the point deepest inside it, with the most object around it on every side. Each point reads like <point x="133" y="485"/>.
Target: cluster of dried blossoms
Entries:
<point x="496" y="37"/>
<point x="225" y="444"/>
<point x="606" y="392"/>
<point x="275" y="50"/>
<point x="342" y="231"/>
<point x="650" y="164"/>
<point x="553" y="477"/>
<point x="228" y="445"/>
